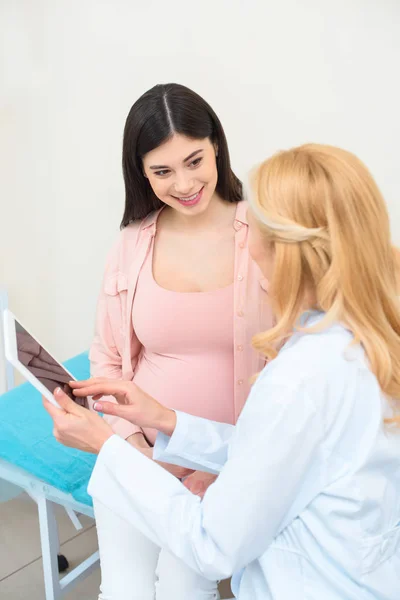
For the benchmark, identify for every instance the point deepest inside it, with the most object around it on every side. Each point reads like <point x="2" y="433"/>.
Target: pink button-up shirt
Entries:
<point x="116" y="348"/>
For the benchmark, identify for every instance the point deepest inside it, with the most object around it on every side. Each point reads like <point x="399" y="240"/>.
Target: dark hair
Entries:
<point x="152" y="120"/>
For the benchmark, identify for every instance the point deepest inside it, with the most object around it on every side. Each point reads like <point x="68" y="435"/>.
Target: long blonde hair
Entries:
<point x="327" y="221"/>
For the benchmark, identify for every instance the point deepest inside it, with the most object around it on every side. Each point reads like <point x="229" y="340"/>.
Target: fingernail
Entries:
<point x="57" y="391"/>
<point x="97" y="406"/>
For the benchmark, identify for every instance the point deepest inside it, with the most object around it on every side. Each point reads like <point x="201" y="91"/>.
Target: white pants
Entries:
<point x="134" y="568"/>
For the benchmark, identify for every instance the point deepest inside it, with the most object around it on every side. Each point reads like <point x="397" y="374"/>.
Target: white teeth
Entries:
<point x="190" y="198"/>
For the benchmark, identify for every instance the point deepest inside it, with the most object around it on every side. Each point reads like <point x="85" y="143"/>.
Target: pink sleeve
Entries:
<point x="106" y="350"/>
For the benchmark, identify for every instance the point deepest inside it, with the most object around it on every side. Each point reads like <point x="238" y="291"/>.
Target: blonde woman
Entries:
<point x="307" y="503"/>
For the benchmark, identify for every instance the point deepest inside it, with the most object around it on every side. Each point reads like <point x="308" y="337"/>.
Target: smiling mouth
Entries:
<point x="191" y="198"/>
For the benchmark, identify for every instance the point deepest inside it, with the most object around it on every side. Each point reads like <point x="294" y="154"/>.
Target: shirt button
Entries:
<point x="241" y="245"/>
<point x="240" y="381"/>
<point x="240" y="313"/>
<point x="240" y="347"/>
<point x="240" y="277"/>
<point x="237" y="225"/>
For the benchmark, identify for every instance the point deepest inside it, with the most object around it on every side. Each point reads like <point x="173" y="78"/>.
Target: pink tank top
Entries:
<point x="186" y="361"/>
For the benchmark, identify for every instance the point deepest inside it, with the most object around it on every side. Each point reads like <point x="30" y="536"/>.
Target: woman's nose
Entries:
<point x="183" y="185"/>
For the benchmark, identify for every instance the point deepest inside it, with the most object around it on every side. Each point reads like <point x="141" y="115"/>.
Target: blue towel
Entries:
<point x="26" y="438"/>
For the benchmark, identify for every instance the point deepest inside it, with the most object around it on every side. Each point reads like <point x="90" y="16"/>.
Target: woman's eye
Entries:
<point x="196" y="162"/>
<point x="162" y="173"/>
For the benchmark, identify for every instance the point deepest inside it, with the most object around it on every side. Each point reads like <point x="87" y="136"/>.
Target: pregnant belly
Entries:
<point x="201" y="386"/>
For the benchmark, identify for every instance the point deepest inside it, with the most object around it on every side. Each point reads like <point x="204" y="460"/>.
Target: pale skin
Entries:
<point x="77" y="427"/>
<point x="194" y="245"/>
<point x="189" y="239"/>
<point x="80" y="428"/>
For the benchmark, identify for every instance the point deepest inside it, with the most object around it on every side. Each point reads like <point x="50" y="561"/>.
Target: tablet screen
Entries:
<point x="43" y="366"/>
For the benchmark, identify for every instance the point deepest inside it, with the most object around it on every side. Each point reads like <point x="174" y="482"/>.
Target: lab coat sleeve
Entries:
<point x="273" y="469"/>
<point x="196" y="443"/>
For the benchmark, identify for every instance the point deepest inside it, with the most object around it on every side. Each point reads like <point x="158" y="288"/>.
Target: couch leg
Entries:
<point x="63" y="563"/>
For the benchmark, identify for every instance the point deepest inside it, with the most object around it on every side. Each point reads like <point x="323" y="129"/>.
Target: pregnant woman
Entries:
<point x="180" y="302"/>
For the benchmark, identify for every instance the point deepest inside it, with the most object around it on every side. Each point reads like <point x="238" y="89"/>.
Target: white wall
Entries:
<point x="278" y="73"/>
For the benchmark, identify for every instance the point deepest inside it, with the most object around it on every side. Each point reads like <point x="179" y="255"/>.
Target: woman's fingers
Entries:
<point x="66" y="404"/>
<point x="53" y="411"/>
<point x="98" y="387"/>
<point x="133" y="404"/>
<point x="110" y="408"/>
<point x="107" y="388"/>
<point x="88" y="391"/>
<point x="87" y="382"/>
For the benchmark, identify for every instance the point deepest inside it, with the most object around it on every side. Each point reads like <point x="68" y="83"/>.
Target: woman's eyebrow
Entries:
<point x="193" y="154"/>
<point x="154" y="167"/>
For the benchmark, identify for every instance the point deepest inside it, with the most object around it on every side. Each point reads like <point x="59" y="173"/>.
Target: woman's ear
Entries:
<point x="216" y="149"/>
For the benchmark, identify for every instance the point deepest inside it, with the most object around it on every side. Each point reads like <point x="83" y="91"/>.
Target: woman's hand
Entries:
<point x="134" y="404"/>
<point x="199" y="482"/>
<point x="76" y="426"/>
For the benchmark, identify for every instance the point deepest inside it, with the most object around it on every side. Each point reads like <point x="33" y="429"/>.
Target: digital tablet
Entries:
<point x="33" y="361"/>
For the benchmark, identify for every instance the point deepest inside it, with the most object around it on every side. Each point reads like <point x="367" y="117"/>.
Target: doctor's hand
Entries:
<point x="134" y="404"/>
<point x="76" y="426"/>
